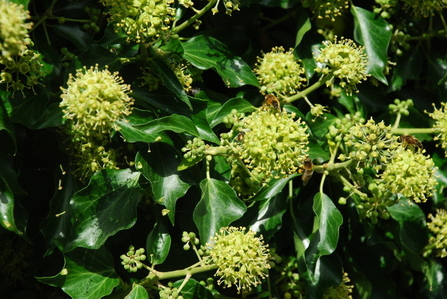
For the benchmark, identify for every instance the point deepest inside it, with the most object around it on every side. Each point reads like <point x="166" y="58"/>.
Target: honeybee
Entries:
<point x="409" y="141"/>
<point x="308" y="170"/>
<point x="272" y="101"/>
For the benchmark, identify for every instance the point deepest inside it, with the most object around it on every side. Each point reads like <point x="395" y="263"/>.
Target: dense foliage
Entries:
<point x="223" y="149"/>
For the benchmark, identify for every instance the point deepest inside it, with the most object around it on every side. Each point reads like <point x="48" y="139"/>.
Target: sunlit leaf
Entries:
<point x="138" y="292"/>
<point x="158" y="243"/>
<point x="217" y="208"/>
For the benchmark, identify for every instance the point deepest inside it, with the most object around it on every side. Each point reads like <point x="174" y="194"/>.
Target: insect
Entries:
<point x="272" y="101"/>
<point x="409" y="141"/>
<point x="240" y="136"/>
<point x="308" y="170"/>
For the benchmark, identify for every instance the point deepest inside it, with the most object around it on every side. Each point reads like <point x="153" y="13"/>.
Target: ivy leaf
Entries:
<point x="104" y="207"/>
<point x="167" y="186"/>
<point x="138" y="292"/>
<point x="217" y="208"/>
<point x="375" y="34"/>
<point x="241" y="105"/>
<point x="205" y="52"/>
<point x="193" y="290"/>
<point x="88" y="274"/>
<point x="158" y="243"/>
<point x="150" y="131"/>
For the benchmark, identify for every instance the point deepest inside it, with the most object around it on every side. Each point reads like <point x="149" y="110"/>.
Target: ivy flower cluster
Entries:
<point x="324" y="9"/>
<point x="270" y="143"/>
<point x="344" y="60"/>
<point x="425" y="8"/>
<point x="91" y="103"/>
<point x="438" y="227"/>
<point x="14" y="38"/>
<point x="279" y="72"/>
<point x="440" y="126"/>
<point x="370" y="144"/>
<point x="141" y="20"/>
<point x="22" y="66"/>
<point x="241" y="257"/>
<point x="132" y="260"/>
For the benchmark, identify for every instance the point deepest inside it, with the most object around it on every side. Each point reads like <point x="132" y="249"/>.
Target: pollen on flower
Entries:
<point x="279" y="72"/>
<point x="324" y="9"/>
<point x="345" y="60"/>
<point x="438" y="227"/>
<point x="241" y="257"/>
<point x="425" y="8"/>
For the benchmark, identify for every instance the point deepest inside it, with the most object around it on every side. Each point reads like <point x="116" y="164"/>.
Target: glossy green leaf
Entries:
<point x="150" y="131"/>
<point x="217" y="208"/>
<point x="9" y="189"/>
<point x="88" y="274"/>
<point x="241" y="105"/>
<point x="327" y="222"/>
<point x="375" y="34"/>
<point x="138" y="292"/>
<point x="193" y="290"/>
<point x="104" y="207"/>
<point x="169" y="79"/>
<point x="158" y="243"/>
<point x="205" y="52"/>
<point x="74" y="33"/>
<point x="167" y="186"/>
<point x="304" y="26"/>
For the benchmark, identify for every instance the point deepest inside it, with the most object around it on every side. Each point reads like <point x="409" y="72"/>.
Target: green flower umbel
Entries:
<point x="141" y="20"/>
<point x="94" y="100"/>
<point x="345" y="61"/>
<point x="425" y="8"/>
<point x="279" y="72"/>
<point x="91" y="103"/>
<point x="269" y="142"/>
<point x="324" y="9"/>
<point x="13" y="29"/>
<point x="438" y="227"/>
<point x="440" y="126"/>
<point x="411" y="174"/>
<point x="241" y="257"/>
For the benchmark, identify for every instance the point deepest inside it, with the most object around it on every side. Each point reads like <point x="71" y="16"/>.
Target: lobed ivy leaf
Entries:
<point x="205" y="52"/>
<point x="166" y="184"/>
<point x="218" y="207"/>
<point x="105" y="206"/>
<point x="374" y="33"/>
<point x="88" y="274"/>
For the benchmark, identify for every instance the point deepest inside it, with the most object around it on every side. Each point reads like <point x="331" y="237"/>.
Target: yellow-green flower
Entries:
<point x="438" y="227"/>
<point x="324" y="9"/>
<point x="411" y="174"/>
<point x="242" y="259"/>
<point x="141" y="20"/>
<point x="94" y="100"/>
<point x="370" y="144"/>
<point x="425" y="8"/>
<point x="270" y="142"/>
<point x="13" y="29"/>
<point x="344" y="60"/>
<point x="279" y="72"/>
<point x="440" y="126"/>
<point x="342" y="291"/>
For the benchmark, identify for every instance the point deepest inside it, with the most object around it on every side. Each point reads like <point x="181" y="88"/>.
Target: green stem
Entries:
<point x="310" y="89"/>
<point x="194" y="18"/>
<point x="411" y="131"/>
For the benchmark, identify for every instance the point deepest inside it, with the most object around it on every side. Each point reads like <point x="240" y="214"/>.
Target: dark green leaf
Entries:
<point x="150" y="132"/>
<point x="304" y="26"/>
<point x="169" y="79"/>
<point x="205" y="52"/>
<point x="217" y="208"/>
<point x="167" y="186"/>
<point x="217" y="115"/>
<point x="375" y="34"/>
<point x="74" y="34"/>
<point x="106" y="206"/>
<point x="88" y="274"/>
<point x="158" y="243"/>
<point x="193" y="290"/>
